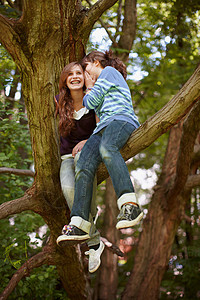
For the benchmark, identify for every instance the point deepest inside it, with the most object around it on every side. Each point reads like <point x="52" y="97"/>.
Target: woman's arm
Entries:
<point x="78" y="147"/>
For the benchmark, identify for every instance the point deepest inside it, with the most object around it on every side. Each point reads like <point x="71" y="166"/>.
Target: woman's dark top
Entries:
<point x="82" y="130"/>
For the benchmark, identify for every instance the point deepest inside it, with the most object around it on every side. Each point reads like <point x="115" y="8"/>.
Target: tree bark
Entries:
<point x="49" y="35"/>
<point x="128" y="35"/>
<point x="107" y="279"/>
<point x="162" y="121"/>
<point x="165" y="212"/>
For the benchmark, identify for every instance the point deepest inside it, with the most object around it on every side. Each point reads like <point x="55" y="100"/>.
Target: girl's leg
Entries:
<point x="79" y="227"/>
<point x="85" y="172"/>
<point x="114" y="136"/>
<point x="94" y="233"/>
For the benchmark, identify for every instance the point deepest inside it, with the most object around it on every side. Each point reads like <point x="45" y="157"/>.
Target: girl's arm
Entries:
<point x="95" y="91"/>
<point x="89" y="82"/>
<point x="97" y="119"/>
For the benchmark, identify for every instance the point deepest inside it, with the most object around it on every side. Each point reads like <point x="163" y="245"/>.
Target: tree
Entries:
<point x="41" y="42"/>
<point x="166" y="210"/>
<point x="40" y="57"/>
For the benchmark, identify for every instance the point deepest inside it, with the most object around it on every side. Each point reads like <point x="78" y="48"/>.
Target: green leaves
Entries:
<point x="15" y="150"/>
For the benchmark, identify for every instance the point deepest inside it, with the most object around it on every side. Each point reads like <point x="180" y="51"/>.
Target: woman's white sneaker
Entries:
<point x="94" y="257"/>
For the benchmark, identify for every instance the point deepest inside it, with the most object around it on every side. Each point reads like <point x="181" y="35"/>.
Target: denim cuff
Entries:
<point x="125" y="198"/>
<point x="80" y="223"/>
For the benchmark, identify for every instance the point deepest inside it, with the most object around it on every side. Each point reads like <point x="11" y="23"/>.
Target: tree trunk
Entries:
<point x="48" y="36"/>
<point x="107" y="279"/>
<point x="165" y="212"/>
<point x="128" y="34"/>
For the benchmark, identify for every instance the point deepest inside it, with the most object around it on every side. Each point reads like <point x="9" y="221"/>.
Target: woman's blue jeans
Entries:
<point x="67" y="179"/>
<point x="103" y="146"/>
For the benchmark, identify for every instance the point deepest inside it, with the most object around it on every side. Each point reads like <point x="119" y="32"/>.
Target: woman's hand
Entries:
<point x="78" y="147"/>
<point x="89" y="80"/>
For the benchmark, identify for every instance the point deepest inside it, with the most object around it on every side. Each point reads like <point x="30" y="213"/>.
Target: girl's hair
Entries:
<point x="65" y="107"/>
<point x="105" y="59"/>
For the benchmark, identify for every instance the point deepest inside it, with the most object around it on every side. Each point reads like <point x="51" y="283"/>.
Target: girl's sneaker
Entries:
<point x="129" y="216"/>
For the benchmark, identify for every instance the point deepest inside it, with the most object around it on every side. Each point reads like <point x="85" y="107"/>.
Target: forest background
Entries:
<point x="159" y="42"/>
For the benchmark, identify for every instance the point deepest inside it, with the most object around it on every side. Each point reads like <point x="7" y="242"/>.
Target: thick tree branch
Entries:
<point x="7" y="32"/>
<point x="128" y="29"/>
<point x="119" y="17"/>
<point x="196" y="154"/>
<point x="166" y="117"/>
<point x="19" y="172"/>
<point x="27" y="202"/>
<point x="12" y="42"/>
<point x="162" y="121"/>
<point x="191" y="127"/>
<point x="94" y="13"/>
<point x="36" y="261"/>
<point x="104" y="26"/>
<point x="192" y="182"/>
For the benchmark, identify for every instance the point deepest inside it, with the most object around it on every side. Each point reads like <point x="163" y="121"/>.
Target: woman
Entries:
<point x="76" y="124"/>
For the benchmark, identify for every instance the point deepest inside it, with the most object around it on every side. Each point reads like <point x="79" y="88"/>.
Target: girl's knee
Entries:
<point x="106" y="150"/>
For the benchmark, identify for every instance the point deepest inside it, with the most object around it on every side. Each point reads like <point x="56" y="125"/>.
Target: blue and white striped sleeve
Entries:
<point x="96" y="96"/>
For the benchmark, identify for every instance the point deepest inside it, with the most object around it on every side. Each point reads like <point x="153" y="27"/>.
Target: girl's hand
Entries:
<point x="78" y="147"/>
<point x="97" y="119"/>
<point x="89" y="80"/>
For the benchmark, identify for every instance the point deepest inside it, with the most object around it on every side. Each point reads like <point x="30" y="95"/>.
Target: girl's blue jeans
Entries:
<point x="103" y="146"/>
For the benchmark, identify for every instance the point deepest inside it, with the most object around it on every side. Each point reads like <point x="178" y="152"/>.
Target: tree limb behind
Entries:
<point x="36" y="261"/>
<point x="20" y="172"/>
<point x="27" y="202"/>
<point x="162" y="121"/>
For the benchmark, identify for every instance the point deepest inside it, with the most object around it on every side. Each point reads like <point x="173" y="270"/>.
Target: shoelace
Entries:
<point x="125" y="211"/>
<point x="66" y="229"/>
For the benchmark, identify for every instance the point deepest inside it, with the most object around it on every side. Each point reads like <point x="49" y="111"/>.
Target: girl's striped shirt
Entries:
<point x="110" y="97"/>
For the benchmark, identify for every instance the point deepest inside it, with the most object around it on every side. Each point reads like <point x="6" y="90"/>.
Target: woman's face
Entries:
<point x="75" y="78"/>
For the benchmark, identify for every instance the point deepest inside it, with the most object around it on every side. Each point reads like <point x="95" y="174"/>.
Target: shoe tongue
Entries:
<point x="128" y="206"/>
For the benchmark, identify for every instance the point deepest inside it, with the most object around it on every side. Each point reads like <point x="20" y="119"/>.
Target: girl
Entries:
<point x="76" y="124"/>
<point x="109" y="95"/>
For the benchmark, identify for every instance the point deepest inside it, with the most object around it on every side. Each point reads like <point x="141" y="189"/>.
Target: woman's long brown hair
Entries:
<point x="65" y="107"/>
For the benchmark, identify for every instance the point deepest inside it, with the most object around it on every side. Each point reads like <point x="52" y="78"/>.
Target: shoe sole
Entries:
<point x="96" y="268"/>
<point x="71" y="240"/>
<point x="126" y="224"/>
